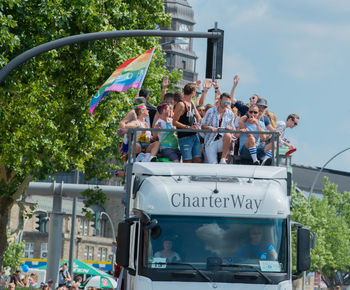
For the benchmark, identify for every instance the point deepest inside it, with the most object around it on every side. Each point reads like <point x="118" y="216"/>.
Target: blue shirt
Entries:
<point x="251" y="127"/>
<point x="250" y="251"/>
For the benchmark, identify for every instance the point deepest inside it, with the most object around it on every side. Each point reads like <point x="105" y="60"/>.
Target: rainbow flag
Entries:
<point x="129" y="75"/>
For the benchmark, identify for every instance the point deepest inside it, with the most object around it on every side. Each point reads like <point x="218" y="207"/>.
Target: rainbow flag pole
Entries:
<point x="129" y="75"/>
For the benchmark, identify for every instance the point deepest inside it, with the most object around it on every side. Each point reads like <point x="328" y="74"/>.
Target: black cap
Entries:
<point x="262" y="102"/>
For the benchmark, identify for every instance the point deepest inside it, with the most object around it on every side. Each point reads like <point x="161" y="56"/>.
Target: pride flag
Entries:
<point x="129" y="75"/>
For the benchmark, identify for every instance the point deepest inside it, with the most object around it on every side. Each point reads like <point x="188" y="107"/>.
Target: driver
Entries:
<point x="167" y="252"/>
<point x="257" y="248"/>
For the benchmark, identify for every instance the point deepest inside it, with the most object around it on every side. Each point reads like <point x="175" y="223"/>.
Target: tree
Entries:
<point x="14" y="254"/>
<point x="329" y="219"/>
<point x="46" y="126"/>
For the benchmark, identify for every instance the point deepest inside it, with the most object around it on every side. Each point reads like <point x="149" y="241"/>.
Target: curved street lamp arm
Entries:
<point x="110" y="220"/>
<point x="319" y="172"/>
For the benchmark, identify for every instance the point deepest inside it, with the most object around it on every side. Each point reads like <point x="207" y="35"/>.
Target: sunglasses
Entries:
<point x="226" y="102"/>
<point x="295" y="123"/>
<point x="262" y="107"/>
<point x="253" y="112"/>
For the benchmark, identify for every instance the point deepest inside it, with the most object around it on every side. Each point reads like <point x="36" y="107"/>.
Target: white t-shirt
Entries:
<point x="281" y="127"/>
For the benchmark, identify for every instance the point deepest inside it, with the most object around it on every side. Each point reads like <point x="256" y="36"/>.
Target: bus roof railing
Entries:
<point x="132" y="136"/>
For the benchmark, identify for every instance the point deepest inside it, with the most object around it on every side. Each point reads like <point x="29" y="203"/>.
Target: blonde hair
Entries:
<point x="272" y="118"/>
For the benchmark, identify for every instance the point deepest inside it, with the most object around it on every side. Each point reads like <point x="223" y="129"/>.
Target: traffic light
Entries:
<point x="41" y="222"/>
<point x="215" y="50"/>
<point x="96" y="220"/>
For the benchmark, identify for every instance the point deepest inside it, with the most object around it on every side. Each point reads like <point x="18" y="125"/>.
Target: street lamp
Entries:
<point x="319" y="172"/>
<point x="110" y="220"/>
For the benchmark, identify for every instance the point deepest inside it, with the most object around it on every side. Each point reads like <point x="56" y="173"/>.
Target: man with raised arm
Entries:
<point x="186" y="116"/>
<point x="242" y="108"/>
<point x="218" y="117"/>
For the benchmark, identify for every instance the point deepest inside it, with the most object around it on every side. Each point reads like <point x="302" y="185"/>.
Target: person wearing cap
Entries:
<point x="63" y="276"/>
<point x="217" y="117"/>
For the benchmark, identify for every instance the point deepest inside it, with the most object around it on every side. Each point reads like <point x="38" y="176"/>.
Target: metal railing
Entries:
<point x="132" y="136"/>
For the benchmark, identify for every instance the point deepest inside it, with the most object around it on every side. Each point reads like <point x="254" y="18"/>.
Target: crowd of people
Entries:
<point x="31" y="280"/>
<point x="184" y="110"/>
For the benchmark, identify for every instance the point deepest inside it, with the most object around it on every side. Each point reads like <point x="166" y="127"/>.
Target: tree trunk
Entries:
<point x="332" y="282"/>
<point x="5" y="206"/>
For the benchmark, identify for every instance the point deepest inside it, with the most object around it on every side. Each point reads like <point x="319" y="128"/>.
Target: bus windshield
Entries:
<point x="216" y="243"/>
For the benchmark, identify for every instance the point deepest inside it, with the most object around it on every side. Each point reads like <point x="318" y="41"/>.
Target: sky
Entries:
<point x="294" y="53"/>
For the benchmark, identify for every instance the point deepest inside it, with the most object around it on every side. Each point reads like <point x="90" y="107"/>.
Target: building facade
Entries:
<point x="179" y="51"/>
<point x="90" y="245"/>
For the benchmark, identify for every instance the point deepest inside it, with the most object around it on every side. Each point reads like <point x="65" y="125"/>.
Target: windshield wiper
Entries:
<point x="205" y="276"/>
<point x="250" y="267"/>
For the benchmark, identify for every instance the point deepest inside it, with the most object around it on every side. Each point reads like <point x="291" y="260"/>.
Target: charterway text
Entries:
<point x="234" y="200"/>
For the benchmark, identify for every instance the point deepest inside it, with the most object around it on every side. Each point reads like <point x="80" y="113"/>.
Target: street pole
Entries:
<point x="319" y="172"/>
<point x="55" y="239"/>
<point x="113" y="233"/>
<point x="110" y="220"/>
<point x="72" y="236"/>
<point x="72" y="232"/>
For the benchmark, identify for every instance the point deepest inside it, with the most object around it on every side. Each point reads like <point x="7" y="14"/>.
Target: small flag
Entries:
<point x="129" y="75"/>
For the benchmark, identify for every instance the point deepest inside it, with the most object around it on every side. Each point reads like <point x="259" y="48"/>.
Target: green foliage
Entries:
<point x="46" y="126"/>
<point x="93" y="197"/>
<point x="14" y="254"/>
<point x="329" y="219"/>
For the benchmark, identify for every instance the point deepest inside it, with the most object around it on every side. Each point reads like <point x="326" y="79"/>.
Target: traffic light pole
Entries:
<point x="72" y="232"/>
<point x="6" y="70"/>
<point x="55" y="239"/>
<point x="215" y="51"/>
<point x="72" y="237"/>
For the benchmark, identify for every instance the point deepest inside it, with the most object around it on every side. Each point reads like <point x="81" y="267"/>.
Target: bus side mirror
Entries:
<point x="122" y="258"/>
<point x="303" y="249"/>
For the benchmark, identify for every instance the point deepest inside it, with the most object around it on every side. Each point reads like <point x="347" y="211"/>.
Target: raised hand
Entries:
<point x="165" y="82"/>
<point x="198" y="83"/>
<point x="207" y="84"/>
<point x="235" y="80"/>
